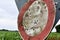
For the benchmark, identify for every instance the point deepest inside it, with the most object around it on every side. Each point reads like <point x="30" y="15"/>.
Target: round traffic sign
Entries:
<point x="36" y="19"/>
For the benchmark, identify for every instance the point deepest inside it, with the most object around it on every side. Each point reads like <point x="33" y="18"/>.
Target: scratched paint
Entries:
<point x="35" y="18"/>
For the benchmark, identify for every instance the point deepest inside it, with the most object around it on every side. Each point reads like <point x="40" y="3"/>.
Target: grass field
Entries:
<point x="9" y="35"/>
<point x="53" y="36"/>
<point x="14" y="35"/>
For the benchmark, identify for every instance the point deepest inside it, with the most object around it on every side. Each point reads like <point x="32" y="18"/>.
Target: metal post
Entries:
<point x="20" y="3"/>
<point x="57" y="3"/>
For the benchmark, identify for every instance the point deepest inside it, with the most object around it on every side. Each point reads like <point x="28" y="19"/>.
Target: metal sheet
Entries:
<point x="57" y="3"/>
<point x="48" y="27"/>
<point x="20" y="3"/>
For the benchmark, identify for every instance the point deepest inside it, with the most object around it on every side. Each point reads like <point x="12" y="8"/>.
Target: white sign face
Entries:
<point x="35" y="18"/>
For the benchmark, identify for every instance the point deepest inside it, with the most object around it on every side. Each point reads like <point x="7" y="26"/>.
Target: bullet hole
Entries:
<point x="37" y="7"/>
<point x="21" y="24"/>
<point x="41" y="11"/>
<point x="25" y="26"/>
<point x="35" y="22"/>
<point x="43" y="3"/>
<point x="29" y="9"/>
<point x="26" y="15"/>
<point x="30" y="13"/>
<point x="33" y="29"/>
<point x="45" y="7"/>
<point x="26" y="29"/>
<point x="38" y="2"/>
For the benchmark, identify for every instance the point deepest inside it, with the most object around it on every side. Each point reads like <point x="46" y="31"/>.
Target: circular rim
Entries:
<point x="49" y="25"/>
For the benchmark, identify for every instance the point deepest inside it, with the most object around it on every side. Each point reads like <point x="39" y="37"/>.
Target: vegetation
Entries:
<point x="58" y="28"/>
<point x="14" y="35"/>
<point x="9" y="35"/>
<point x="3" y="30"/>
<point x="53" y="36"/>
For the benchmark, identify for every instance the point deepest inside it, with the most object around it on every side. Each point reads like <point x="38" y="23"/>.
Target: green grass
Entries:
<point x="14" y="35"/>
<point x="53" y="36"/>
<point x="9" y="35"/>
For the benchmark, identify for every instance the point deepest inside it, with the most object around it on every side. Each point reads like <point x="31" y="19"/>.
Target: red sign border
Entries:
<point x="49" y="25"/>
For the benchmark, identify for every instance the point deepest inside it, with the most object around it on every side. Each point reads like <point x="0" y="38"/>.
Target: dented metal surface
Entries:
<point x="20" y="4"/>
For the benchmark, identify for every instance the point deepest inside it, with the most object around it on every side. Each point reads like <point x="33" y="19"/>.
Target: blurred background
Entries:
<point x="8" y="21"/>
<point x="8" y="15"/>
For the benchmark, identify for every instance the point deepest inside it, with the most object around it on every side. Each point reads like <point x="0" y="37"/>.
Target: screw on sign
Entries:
<point x="36" y="19"/>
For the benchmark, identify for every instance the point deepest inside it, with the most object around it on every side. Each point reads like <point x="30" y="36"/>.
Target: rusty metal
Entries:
<point x="53" y="17"/>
